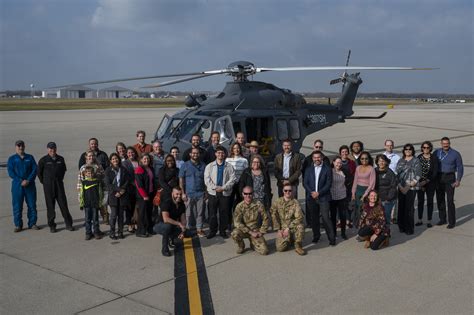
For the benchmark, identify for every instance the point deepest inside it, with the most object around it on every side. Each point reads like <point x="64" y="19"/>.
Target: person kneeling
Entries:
<point x="373" y="229"/>
<point x="250" y="221"/>
<point x="172" y="223"/>
<point x="287" y="219"/>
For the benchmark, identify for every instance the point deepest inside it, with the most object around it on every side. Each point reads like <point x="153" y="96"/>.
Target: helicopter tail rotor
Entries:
<point x="344" y="74"/>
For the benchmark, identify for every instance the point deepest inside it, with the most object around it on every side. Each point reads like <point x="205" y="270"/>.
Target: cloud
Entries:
<point x="74" y="41"/>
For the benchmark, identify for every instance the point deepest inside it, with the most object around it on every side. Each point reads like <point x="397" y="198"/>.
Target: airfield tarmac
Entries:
<point x="430" y="272"/>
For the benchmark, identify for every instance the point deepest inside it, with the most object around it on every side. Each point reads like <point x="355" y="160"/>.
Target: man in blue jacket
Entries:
<point x="317" y="183"/>
<point x="22" y="170"/>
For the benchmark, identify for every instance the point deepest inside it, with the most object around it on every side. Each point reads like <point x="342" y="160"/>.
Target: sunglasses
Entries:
<point x="247" y="194"/>
<point x="287" y="190"/>
<point x="425" y="147"/>
<point x="407" y="149"/>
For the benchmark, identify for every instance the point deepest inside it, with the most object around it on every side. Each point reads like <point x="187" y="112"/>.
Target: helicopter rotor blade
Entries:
<point x="212" y="72"/>
<point x="328" y="68"/>
<point x="179" y="80"/>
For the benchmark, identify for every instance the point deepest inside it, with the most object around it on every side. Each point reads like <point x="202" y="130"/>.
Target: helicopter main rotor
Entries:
<point x="240" y="70"/>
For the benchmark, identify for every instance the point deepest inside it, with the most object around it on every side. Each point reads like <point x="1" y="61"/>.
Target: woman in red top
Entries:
<point x="144" y="177"/>
<point x="373" y="229"/>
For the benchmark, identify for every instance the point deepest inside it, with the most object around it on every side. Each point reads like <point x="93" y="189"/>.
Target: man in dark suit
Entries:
<point x="317" y="183"/>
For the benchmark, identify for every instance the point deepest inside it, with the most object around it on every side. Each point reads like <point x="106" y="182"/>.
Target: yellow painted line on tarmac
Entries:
<point x="194" y="294"/>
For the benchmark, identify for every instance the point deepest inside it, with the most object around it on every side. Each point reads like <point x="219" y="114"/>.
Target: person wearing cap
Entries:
<point x="253" y="149"/>
<point x="51" y="171"/>
<point x="22" y="170"/>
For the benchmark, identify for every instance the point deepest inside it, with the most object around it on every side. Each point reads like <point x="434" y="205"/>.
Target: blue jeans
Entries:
<point x="92" y="220"/>
<point x="388" y="206"/>
<point x="28" y="194"/>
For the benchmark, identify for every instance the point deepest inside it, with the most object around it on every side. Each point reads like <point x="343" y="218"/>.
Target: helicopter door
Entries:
<point x="223" y="125"/>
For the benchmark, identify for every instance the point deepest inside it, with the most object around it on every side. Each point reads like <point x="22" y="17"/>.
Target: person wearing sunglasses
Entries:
<point x="451" y="170"/>
<point x="250" y="221"/>
<point x="364" y="182"/>
<point x="408" y="175"/>
<point x="287" y="219"/>
<point x="22" y="169"/>
<point x="429" y="173"/>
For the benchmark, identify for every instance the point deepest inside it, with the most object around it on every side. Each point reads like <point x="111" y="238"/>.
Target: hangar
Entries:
<point x="114" y="92"/>
<point x="75" y="91"/>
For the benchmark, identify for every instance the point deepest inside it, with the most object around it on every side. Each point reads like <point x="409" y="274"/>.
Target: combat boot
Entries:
<point x="299" y="249"/>
<point x="240" y="247"/>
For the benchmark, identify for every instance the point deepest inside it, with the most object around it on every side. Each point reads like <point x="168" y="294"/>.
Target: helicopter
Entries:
<point x="261" y="111"/>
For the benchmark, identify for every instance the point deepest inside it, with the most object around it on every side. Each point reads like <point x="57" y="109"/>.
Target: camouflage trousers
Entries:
<point x="258" y="244"/>
<point x="296" y="234"/>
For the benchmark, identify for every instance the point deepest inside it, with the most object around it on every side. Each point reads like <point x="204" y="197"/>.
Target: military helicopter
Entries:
<point x="262" y="111"/>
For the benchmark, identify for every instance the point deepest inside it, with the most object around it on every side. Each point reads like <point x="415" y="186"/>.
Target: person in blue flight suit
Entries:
<point x="22" y="169"/>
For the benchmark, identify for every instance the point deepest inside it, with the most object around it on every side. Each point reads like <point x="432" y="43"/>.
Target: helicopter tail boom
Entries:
<point x="349" y="93"/>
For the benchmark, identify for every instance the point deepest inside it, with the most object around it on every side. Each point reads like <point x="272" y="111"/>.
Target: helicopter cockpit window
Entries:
<point x="171" y="127"/>
<point x="294" y="129"/>
<point x="282" y="129"/>
<point x="192" y="126"/>
<point x="160" y="132"/>
<point x="223" y="125"/>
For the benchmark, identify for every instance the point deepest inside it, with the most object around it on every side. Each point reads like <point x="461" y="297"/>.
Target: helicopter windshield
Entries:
<point x="223" y="125"/>
<point x="166" y="127"/>
<point x="192" y="126"/>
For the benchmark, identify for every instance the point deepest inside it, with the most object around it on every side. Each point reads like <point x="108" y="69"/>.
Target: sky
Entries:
<point x="56" y="42"/>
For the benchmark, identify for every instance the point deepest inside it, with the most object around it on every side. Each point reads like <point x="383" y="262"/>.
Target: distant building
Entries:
<point x="460" y="101"/>
<point x="76" y="91"/>
<point x="114" y="92"/>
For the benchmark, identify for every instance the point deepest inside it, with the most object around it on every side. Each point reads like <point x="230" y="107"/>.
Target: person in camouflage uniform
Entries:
<point x="247" y="216"/>
<point x="287" y="219"/>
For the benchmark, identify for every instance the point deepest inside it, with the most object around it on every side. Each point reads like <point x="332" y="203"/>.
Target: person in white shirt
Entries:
<point x="393" y="157"/>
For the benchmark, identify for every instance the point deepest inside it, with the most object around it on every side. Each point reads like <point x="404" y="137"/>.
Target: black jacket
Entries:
<point x="247" y="180"/>
<point x="386" y="184"/>
<point x="111" y="183"/>
<point x="50" y="170"/>
<point x="168" y="179"/>
<point x="203" y="156"/>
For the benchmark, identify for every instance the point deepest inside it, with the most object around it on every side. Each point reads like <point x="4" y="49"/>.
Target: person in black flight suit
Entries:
<point x="51" y="171"/>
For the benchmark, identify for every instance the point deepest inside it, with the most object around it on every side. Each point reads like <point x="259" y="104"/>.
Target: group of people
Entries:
<point x="171" y="194"/>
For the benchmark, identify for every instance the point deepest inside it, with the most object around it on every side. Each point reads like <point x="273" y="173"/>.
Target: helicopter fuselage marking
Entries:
<point x="317" y="118"/>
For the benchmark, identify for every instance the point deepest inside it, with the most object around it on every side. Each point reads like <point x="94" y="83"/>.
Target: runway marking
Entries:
<point x="192" y="293"/>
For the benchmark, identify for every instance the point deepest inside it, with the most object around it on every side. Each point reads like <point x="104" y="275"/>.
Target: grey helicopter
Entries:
<point x="261" y="111"/>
